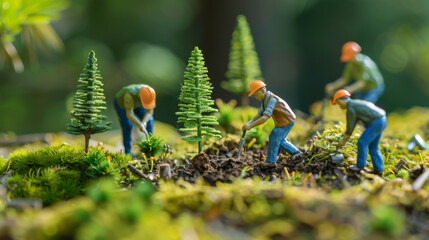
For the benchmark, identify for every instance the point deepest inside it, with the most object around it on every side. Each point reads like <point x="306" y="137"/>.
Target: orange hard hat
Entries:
<point x="349" y="50"/>
<point x="147" y="96"/>
<point x="340" y="94"/>
<point x="255" y="86"/>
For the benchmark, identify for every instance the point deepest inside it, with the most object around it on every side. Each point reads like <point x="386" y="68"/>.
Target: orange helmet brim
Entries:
<point x="253" y="92"/>
<point x="149" y="106"/>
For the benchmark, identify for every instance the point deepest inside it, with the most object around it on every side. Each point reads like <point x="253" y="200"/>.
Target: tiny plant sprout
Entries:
<point x="99" y="146"/>
<point x="145" y="159"/>
<point x="108" y="159"/>
<point x="151" y="162"/>
<point x="286" y="173"/>
<point x="310" y="145"/>
<point x="8" y="166"/>
<point x="251" y="143"/>
<point x="420" y="156"/>
<point x="387" y="158"/>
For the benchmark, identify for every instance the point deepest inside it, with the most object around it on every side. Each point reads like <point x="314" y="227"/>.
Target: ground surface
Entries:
<point x="216" y="195"/>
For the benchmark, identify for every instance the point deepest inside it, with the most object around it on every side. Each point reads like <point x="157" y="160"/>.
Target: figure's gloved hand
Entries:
<point x="329" y="88"/>
<point x="245" y="127"/>
<point x="341" y="143"/>
<point x="142" y="128"/>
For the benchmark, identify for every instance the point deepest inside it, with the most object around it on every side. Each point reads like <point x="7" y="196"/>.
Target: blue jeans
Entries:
<point x="127" y="125"/>
<point x="278" y="139"/>
<point x="370" y="139"/>
<point x="372" y="95"/>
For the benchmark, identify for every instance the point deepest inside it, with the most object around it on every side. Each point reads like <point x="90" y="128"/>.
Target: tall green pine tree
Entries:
<point x="88" y="103"/>
<point x="195" y="102"/>
<point x="243" y="67"/>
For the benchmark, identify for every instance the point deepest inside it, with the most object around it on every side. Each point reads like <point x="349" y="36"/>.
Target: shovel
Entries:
<point x="336" y="157"/>
<point x="241" y="144"/>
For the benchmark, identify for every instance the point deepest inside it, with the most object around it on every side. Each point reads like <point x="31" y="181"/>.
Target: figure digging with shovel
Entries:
<point x="284" y="119"/>
<point x="373" y="118"/>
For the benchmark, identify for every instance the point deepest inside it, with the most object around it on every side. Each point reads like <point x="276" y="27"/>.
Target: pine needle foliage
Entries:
<point x="243" y="66"/>
<point x="195" y="102"/>
<point x="88" y="103"/>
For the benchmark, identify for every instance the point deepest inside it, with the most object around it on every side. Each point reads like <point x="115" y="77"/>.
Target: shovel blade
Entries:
<point x="337" y="158"/>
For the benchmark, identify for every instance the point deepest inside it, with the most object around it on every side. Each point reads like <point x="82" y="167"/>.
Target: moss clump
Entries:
<point x="60" y="173"/>
<point x="252" y="207"/>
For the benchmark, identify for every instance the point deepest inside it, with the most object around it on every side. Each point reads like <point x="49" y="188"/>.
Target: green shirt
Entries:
<point x="363" y="111"/>
<point x="134" y="91"/>
<point x="363" y="69"/>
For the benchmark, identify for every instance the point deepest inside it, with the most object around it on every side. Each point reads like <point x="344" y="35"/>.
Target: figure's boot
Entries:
<point x="268" y="165"/>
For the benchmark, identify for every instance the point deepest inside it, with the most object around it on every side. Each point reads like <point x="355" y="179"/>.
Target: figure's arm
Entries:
<point x="356" y="87"/>
<point x="248" y="124"/>
<point x="343" y="141"/>
<point x="351" y="124"/>
<point x="147" y="117"/>
<point x="340" y="82"/>
<point x="257" y="122"/>
<point x="129" y="109"/>
<point x="256" y="117"/>
<point x="262" y="117"/>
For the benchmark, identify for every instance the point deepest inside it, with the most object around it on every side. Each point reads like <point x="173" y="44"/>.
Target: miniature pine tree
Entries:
<point x="195" y="102"/>
<point x="88" y="103"/>
<point x="243" y="67"/>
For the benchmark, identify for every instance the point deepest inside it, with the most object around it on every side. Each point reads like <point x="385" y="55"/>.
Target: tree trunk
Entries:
<point x="87" y="136"/>
<point x="244" y="100"/>
<point x="200" y="146"/>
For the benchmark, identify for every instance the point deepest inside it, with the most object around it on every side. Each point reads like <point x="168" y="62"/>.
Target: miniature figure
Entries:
<point x="132" y="100"/>
<point x="284" y="119"/>
<point x="195" y="102"/>
<point x="368" y="84"/>
<point x="88" y="103"/>
<point x="374" y="119"/>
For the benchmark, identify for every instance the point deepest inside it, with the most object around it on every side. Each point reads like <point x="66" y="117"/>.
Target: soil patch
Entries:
<point x="222" y="164"/>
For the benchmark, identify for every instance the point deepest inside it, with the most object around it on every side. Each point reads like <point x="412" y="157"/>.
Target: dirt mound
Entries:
<point x="222" y="164"/>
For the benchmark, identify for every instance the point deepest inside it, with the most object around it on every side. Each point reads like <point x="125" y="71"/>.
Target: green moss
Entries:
<point x="22" y="161"/>
<point x="99" y="166"/>
<point x="3" y="165"/>
<point x="59" y="173"/>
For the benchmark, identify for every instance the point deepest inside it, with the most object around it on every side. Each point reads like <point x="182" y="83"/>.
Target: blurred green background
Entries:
<point x="149" y="41"/>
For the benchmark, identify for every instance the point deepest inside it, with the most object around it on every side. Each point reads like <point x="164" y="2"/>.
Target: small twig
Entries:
<point x="137" y="172"/>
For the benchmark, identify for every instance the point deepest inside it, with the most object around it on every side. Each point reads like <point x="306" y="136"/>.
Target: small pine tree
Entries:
<point x="88" y="103"/>
<point x="243" y="67"/>
<point x="195" y="101"/>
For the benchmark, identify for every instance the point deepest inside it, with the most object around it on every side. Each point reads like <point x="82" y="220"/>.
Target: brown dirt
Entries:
<point x="222" y="164"/>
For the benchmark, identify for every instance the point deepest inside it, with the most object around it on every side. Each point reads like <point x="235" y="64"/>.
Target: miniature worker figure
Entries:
<point x="284" y="119"/>
<point x="368" y="84"/>
<point x="373" y="118"/>
<point x="135" y="104"/>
